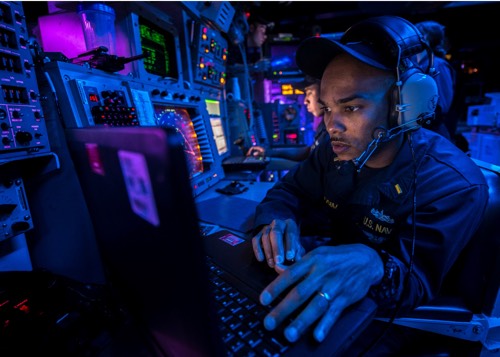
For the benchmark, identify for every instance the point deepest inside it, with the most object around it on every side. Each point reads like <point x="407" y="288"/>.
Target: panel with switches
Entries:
<point x="22" y="126"/>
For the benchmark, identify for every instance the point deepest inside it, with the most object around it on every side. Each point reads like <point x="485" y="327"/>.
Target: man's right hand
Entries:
<point x="256" y="151"/>
<point x="278" y="243"/>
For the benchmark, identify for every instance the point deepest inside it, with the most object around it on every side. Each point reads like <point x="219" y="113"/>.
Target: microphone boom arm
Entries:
<point x="384" y="137"/>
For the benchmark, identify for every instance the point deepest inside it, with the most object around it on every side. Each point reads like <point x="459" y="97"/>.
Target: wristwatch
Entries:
<point x="388" y="288"/>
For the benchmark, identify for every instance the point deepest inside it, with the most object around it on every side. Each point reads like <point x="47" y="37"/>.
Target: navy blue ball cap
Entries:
<point x="306" y="82"/>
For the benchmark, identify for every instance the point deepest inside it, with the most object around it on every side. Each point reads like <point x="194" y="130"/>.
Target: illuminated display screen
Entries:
<point x="159" y="47"/>
<point x="94" y="98"/>
<point x="213" y="109"/>
<point x="219" y="137"/>
<point x="283" y="60"/>
<point x="289" y="89"/>
<point x="180" y="120"/>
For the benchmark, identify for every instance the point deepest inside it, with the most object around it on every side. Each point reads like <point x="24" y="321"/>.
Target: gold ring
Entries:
<point x="325" y="295"/>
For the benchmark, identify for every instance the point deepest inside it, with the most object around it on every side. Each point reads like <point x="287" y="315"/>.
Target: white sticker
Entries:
<point x="139" y="188"/>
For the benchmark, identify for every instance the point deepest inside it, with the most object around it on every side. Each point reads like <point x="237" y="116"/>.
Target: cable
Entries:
<point x="246" y="87"/>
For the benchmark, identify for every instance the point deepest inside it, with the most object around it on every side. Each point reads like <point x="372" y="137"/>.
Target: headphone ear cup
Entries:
<point x="416" y="98"/>
<point x="396" y="98"/>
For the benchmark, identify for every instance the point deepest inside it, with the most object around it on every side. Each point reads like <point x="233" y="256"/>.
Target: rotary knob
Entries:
<point x="23" y="137"/>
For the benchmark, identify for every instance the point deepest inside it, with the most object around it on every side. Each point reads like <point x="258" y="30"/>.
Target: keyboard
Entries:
<point x="241" y="319"/>
<point x="245" y="163"/>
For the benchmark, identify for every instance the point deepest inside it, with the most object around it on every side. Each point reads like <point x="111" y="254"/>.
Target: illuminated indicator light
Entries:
<point x="205" y="30"/>
<point x="224" y="57"/>
<point x="204" y="37"/>
<point x="275" y="136"/>
<point x="17" y="306"/>
<point x="398" y="189"/>
<point x="222" y="80"/>
<point x="202" y="65"/>
<point x="206" y="50"/>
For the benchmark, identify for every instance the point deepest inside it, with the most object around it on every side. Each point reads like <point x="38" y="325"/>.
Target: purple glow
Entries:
<point x="62" y="33"/>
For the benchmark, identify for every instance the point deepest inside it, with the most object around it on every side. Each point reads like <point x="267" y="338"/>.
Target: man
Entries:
<point x="311" y="87"/>
<point x="246" y="66"/>
<point x="255" y="30"/>
<point x="392" y="195"/>
<point x="256" y="37"/>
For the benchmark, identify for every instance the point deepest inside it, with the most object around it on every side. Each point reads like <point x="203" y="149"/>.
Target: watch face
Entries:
<point x="290" y="113"/>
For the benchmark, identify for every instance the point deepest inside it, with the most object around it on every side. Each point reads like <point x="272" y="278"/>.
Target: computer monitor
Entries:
<point x="179" y="120"/>
<point x="196" y="131"/>
<point x="152" y="33"/>
<point x="158" y="44"/>
<point x="283" y="63"/>
<point x="214" y="112"/>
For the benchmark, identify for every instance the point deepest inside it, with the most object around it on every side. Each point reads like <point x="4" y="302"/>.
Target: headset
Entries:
<point x="414" y="94"/>
<point x="413" y="97"/>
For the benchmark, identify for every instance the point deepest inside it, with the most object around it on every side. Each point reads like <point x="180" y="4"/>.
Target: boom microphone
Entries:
<point x="385" y="136"/>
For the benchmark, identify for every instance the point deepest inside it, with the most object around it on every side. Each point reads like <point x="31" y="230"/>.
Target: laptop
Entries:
<point x="136" y="184"/>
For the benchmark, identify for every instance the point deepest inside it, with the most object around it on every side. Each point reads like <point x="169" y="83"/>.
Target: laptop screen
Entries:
<point x="136" y="184"/>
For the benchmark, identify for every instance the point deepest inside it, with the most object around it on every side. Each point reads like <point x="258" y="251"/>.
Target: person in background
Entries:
<point x="246" y="67"/>
<point x="434" y="34"/>
<point x="256" y="37"/>
<point x="252" y="44"/>
<point x="395" y="221"/>
<point x="311" y="88"/>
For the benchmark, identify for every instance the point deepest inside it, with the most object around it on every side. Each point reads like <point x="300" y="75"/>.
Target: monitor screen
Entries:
<point x="159" y="47"/>
<point x="290" y="89"/>
<point x="213" y="109"/>
<point x="283" y="60"/>
<point x="180" y="120"/>
<point x="219" y="137"/>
